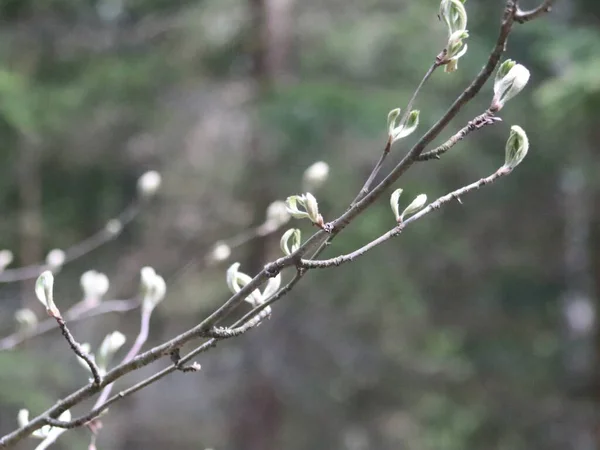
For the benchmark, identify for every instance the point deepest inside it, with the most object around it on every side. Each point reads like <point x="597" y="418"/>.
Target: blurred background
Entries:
<point x="475" y="329"/>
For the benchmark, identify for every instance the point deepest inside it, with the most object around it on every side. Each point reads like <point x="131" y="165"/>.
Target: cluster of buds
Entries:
<point x="454" y="14"/>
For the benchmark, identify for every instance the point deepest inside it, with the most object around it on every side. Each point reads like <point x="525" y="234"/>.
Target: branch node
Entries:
<point x="176" y="359"/>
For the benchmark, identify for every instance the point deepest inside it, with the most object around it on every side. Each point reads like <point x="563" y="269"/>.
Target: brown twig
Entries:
<point x="388" y="146"/>
<point x="79" y="351"/>
<point x="526" y="16"/>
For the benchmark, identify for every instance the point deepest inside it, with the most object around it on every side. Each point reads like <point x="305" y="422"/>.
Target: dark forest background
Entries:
<point x="473" y="330"/>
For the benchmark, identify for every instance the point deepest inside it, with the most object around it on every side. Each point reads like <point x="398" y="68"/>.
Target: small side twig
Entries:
<point x="176" y="359"/>
<point x="139" y="342"/>
<point x="79" y="351"/>
<point x="98" y="410"/>
<point x="388" y="146"/>
<point x="76" y="251"/>
<point x="525" y="16"/>
<point x="487" y="118"/>
<point x="454" y="195"/>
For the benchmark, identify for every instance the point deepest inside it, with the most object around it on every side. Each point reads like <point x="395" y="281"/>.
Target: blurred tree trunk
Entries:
<point x="257" y="418"/>
<point x="579" y="309"/>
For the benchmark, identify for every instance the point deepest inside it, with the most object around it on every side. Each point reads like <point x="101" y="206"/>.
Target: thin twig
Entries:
<point x="487" y="118"/>
<point x="139" y="342"/>
<point x="79" y="351"/>
<point x="454" y="195"/>
<point x="525" y="16"/>
<point x="76" y="251"/>
<point x="388" y="145"/>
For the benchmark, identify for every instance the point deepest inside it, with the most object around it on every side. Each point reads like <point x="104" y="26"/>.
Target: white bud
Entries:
<point x="23" y="417"/>
<point x="278" y="213"/>
<point x="415" y="206"/>
<point x="55" y="258"/>
<point x="6" y="257"/>
<point x="455" y="49"/>
<point x="94" y="284"/>
<point x="113" y="227"/>
<point x="391" y="121"/>
<point x="236" y="280"/>
<point x="26" y="318"/>
<point x="44" y="290"/>
<point x="152" y="288"/>
<point x="310" y="205"/>
<point x="220" y="252"/>
<point x="296" y="239"/>
<point x="149" y="183"/>
<point x="517" y="147"/>
<point x="509" y="85"/>
<point x="315" y="176"/>
<point x="110" y="345"/>
<point x="454" y="14"/>
<point x="394" y="203"/>
<point x="412" y="122"/>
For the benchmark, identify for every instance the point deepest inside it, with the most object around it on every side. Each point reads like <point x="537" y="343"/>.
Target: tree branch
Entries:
<point x="319" y="239"/>
<point x="487" y="118"/>
<point x="79" y="351"/>
<point x="388" y="146"/>
<point x="526" y="16"/>
<point x="454" y="195"/>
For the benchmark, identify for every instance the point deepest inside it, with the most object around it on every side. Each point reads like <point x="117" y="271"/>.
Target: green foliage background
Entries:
<point x="449" y="337"/>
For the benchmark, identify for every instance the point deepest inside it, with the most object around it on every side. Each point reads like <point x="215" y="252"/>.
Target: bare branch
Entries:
<point x="526" y="16"/>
